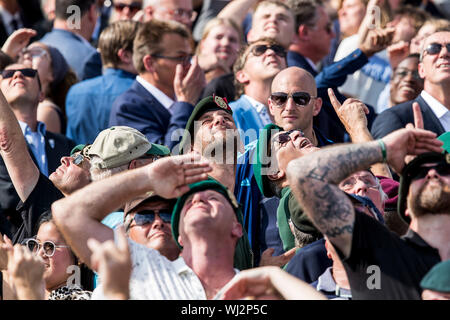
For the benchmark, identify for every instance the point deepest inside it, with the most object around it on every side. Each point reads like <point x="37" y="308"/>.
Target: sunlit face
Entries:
<point x="272" y="21"/>
<point x="69" y="177"/>
<point x="157" y="234"/>
<point x="211" y="128"/>
<point x="37" y="57"/>
<point x="404" y="29"/>
<point x="223" y="42"/>
<point x="435" y="68"/>
<point x="417" y="42"/>
<point x="406" y="83"/>
<point x="55" y="274"/>
<point x="126" y="9"/>
<point x="351" y="15"/>
<point x="177" y="10"/>
<point x="21" y="89"/>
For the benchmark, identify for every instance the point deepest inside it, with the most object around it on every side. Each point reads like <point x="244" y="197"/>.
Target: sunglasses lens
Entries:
<point x="143" y="219"/>
<point x="279" y="50"/>
<point x="434" y="48"/>
<point x="283" y="138"/>
<point x="29" y="72"/>
<point x="279" y="99"/>
<point x="301" y="98"/>
<point x="165" y="216"/>
<point x="49" y="248"/>
<point x="8" y="73"/>
<point x="32" y="245"/>
<point x="259" y="50"/>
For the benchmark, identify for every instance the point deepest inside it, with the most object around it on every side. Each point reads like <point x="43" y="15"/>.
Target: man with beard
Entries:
<point x="379" y="264"/>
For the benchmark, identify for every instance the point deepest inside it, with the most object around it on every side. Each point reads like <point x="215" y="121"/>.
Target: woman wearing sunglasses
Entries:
<point x="59" y="266"/>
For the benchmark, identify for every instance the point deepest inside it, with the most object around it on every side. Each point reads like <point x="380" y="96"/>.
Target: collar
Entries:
<point x="438" y="108"/>
<point x="256" y="104"/>
<point x="285" y="191"/>
<point x="412" y="237"/>
<point x="7" y="16"/>
<point x="41" y="128"/>
<point x="180" y="266"/>
<point x="311" y="63"/>
<point x="158" y="94"/>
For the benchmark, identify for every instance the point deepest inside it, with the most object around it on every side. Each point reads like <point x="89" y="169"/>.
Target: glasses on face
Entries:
<point x="49" y="247"/>
<point x="144" y="217"/>
<point x="78" y="158"/>
<point x="183" y="13"/>
<point x="132" y="7"/>
<point x="34" y="52"/>
<point x="260" y="49"/>
<point x="284" y="137"/>
<point x="350" y="183"/>
<point x="443" y="169"/>
<point x="184" y="60"/>
<point x="27" y="72"/>
<point x="301" y="99"/>
<point x="435" y="48"/>
<point x="403" y="73"/>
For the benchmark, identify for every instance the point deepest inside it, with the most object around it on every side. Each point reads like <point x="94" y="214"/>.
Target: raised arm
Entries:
<point x="14" y="151"/>
<point x="79" y="216"/>
<point x="314" y="178"/>
<point x="237" y="10"/>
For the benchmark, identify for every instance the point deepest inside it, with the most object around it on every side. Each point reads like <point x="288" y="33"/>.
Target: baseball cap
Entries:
<point x="262" y="147"/>
<point x="119" y="145"/>
<point x="145" y="198"/>
<point x="445" y="138"/>
<point x="410" y="171"/>
<point x="210" y="103"/>
<point x="83" y="148"/>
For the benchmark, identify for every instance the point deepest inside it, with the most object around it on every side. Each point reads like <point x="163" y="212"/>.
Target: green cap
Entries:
<point x="438" y="278"/>
<point x="262" y="158"/>
<point x="79" y="147"/>
<point x="243" y="257"/>
<point x="210" y="103"/>
<point x="410" y="171"/>
<point x="445" y="138"/>
<point x="119" y="145"/>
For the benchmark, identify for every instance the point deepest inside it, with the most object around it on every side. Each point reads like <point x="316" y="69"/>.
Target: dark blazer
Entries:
<point x="83" y="58"/>
<point x="56" y="146"/>
<point x="400" y="115"/>
<point x="139" y="109"/>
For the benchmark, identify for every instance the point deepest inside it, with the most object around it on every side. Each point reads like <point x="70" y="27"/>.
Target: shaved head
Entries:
<point x="294" y="77"/>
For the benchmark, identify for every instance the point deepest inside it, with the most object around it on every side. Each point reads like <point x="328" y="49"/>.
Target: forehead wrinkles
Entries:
<point x="439" y="37"/>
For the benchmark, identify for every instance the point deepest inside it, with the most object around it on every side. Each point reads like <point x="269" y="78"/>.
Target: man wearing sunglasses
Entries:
<point x="147" y="221"/>
<point x="361" y="241"/>
<point x="255" y="68"/>
<point x="434" y="100"/>
<point x="21" y="95"/>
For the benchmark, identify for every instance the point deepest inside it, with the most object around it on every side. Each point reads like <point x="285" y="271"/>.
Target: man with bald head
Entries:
<point x="434" y="100"/>
<point x="292" y="104"/>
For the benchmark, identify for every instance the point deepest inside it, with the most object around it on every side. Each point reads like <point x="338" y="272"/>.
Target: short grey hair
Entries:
<point x="99" y="174"/>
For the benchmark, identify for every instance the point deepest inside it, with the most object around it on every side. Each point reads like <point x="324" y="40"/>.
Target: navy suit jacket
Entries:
<point x="83" y="58"/>
<point x="139" y="109"/>
<point x="56" y="147"/>
<point x="332" y="76"/>
<point x="399" y="116"/>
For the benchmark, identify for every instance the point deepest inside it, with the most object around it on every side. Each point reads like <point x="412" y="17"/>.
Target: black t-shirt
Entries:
<point x="39" y="201"/>
<point x="384" y="266"/>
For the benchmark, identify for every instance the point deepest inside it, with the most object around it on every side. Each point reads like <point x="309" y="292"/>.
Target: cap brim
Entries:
<point x="158" y="150"/>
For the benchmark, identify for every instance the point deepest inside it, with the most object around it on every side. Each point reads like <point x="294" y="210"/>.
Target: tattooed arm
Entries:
<point x="314" y="178"/>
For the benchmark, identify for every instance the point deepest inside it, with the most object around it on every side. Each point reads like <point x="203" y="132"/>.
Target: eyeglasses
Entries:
<point x="260" y="49"/>
<point x="350" y="183"/>
<point x="35" y="52"/>
<point x="443" y="169"/>
<point x="403" y="73"/>
<point x="27" y="72"/>
<point x="144" y="217"/>
<point x="435" y="48"/>
<point x="133" y="7"/>
<point x="78" y="158"/>
<point x="285" y="137"/>
<point x="184" y="60"/>
<point x="49" y="247"/>
<point x="300" y="98"/>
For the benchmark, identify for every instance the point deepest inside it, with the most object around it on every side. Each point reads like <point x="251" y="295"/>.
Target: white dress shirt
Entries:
<point x="158" y="94"/>
<point x="441" y="112"/>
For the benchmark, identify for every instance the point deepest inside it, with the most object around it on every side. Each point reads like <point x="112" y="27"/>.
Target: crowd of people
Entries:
<point x="262" y="149"/>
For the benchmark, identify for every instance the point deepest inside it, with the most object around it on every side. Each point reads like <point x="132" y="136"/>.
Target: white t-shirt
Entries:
<point x="154" y="277"/>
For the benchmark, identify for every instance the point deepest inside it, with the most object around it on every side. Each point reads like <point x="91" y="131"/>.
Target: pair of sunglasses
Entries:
<point x="144" y="217"/>
<point x="443" y="169"/>
<point x="435" y="48"/>
<point x="260" y="49"/>
<point x="49" y="247"/>
<point x="300" y="98"/>
<point x="27" y="72"/>
<point x="133" y="7"/>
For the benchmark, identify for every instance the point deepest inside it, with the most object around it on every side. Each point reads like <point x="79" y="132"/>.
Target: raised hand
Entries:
<point x="5" y="246"/>
<point x="188" y="86"/>
<point x="27" y="273"/>
<point x="376" y="40"/>
<point x="113" y="263"/>
<point x="171" y="176"/>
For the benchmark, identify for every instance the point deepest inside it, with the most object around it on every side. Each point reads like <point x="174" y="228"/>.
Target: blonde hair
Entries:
<point x="215" y="22"/>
